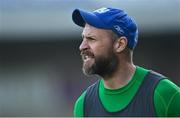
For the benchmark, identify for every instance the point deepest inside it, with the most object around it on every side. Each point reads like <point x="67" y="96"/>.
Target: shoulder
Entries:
<point x="166" y="98"/>
<point x="165" y="87"/>
<point x="79" y="105"/>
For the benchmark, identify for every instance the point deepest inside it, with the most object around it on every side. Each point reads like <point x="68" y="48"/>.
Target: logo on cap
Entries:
<point x="118" y="29"/>
<point x="102" y="10"/>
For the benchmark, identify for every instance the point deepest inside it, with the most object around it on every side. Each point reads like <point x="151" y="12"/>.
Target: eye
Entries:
<point x="91" y="38"/>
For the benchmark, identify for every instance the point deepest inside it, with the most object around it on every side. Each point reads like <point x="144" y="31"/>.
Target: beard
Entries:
<point x="102" y="65"/>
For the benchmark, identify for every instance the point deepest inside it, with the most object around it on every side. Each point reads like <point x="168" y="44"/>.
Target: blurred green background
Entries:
<point x="40" y="66"/>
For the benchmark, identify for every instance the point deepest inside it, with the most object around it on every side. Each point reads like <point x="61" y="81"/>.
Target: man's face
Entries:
<point x="97" y="51"/>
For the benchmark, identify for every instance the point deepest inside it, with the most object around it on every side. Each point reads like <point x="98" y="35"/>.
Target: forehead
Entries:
<point x="93" y="31"/>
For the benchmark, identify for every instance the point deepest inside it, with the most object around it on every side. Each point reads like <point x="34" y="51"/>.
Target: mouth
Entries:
<point x="87" y="56"/>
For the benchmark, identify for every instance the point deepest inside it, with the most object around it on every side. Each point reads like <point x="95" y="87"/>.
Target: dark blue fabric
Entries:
<point x="142" y="104"/>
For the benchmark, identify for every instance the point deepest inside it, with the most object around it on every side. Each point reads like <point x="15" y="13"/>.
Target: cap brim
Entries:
<point x="81" y="17"/>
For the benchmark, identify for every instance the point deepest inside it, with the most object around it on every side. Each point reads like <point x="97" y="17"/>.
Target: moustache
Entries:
<point x="87" y="53"/>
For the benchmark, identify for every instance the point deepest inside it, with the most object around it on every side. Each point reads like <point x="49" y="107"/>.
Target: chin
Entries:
<point x="88" y="70"/>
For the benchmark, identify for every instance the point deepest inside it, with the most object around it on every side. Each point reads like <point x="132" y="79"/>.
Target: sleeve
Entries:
<point x="174" y="106"/>
<point x="167" y="99"/>
<point x="79" y="106"/>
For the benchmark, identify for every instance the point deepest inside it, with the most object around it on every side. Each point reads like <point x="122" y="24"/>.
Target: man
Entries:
<point x="109" y="38"/>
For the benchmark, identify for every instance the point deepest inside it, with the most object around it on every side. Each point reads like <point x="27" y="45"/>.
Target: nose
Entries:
<point x="84" y="45"/>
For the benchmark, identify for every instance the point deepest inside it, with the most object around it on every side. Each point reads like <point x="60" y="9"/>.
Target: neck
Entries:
<point x="120" y="77"/>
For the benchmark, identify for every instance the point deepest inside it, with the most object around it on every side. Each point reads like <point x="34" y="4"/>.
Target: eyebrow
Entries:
<point x="88" y="36"/>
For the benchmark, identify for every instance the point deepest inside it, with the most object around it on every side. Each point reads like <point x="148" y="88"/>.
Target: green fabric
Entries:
<point x="166" y="96"/>
<point x="110" y="98"/>
<point x="78" y="107"/>
<point x="167" y="99"/>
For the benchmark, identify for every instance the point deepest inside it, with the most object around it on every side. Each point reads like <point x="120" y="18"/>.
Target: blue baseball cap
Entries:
<point x="113" y="19"/>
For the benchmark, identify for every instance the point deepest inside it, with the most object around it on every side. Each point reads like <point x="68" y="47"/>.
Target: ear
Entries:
<point x="120" y="44"/>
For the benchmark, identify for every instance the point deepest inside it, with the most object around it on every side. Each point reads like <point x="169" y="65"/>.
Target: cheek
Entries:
<point x="102" y="51"/>
<point x="101" y="47"/>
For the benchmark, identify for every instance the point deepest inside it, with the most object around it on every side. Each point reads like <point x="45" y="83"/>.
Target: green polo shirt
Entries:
<point x="166" y="96"/>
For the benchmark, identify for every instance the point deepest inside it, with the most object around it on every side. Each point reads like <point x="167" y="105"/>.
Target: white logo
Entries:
<point x="102" y="10"/>
<point x="118" y="29"/>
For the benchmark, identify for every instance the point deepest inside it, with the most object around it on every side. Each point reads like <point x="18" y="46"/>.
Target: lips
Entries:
<point x="86" y="55"/>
